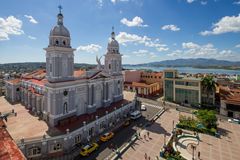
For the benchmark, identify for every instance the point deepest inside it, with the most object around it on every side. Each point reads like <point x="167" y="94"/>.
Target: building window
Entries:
<point x="34" y="151"/>
<point x="65" y="93"/>
<point x="17" y="89"/>
<point x="50" y="67"/>
<point x="78" y="139"/>
<point x="55" y="147"/>
<point x="109" y="66"/>
<point x="65" y="109"/>
<point x="64" y="43"/>
<point x="90" y="132"/>
<point x="102" y="126"/>
<point x="56" y="42"/>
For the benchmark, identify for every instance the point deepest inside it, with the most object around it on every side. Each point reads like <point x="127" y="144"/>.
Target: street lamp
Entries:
<point x="164" y="139"/>
<point x="173" y="125"/>
<point x="193" y="148"/>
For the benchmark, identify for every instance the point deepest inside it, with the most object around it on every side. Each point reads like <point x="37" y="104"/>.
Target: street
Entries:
<point x="122" y="135"/>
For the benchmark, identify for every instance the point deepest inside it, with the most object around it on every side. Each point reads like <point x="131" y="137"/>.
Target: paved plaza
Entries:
<point x="211" y="148"/>
<point x="24" y="125"/>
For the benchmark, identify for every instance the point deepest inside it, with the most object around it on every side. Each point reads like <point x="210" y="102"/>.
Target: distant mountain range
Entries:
<point x="198" y="62"/>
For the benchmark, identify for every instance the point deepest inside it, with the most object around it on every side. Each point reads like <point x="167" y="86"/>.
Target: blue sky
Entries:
<point x="147" y="30"/>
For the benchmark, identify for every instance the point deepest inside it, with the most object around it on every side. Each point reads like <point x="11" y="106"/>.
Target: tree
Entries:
<point x="207" y="118"/>
<point x="209" y="86"/>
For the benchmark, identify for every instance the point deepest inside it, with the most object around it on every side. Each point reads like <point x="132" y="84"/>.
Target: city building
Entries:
<point x="185" y="90"/>
<point x="144" y="83"/>
<point x="59" y="93"/>
<point x="76" y="105"/>
<point x="229" y="101"/>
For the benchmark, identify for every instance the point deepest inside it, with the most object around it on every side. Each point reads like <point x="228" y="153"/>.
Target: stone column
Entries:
<point x="89" y="95"/>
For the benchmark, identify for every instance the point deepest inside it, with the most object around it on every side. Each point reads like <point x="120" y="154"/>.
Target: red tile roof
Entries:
<point x="231" y="96"/>
<point x="14" y="81"/>
<point x="78" y="73"/>
<point x="8" y="149"/>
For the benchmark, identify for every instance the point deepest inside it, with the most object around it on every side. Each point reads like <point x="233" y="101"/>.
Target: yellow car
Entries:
<point x="106" y="136"/>
<point x="126" y="123"/>
<point x="89" y="148"/>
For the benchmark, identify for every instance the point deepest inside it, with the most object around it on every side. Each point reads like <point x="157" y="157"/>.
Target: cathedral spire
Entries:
<point x="60" y="16"/>
<point x="113" y="34"/>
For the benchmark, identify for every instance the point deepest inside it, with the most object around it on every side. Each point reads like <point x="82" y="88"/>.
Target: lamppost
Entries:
<point x="164" y="140"/>
<point x="173" y="125"/>
<point x="193" y="149"/>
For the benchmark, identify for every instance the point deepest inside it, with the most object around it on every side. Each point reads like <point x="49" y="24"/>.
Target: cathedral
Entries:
<point x="60" y="92"/>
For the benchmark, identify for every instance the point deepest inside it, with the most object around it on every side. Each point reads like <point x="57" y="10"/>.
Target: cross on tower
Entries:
<point x="60" y="8"/>
<point x="112" y="28"/>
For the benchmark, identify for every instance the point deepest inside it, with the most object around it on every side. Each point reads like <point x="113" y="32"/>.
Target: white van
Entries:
<point x="135" y="115"/>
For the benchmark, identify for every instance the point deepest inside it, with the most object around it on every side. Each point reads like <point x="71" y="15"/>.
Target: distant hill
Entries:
<point x="198" y="62"/>
<point x="30" y="66"/>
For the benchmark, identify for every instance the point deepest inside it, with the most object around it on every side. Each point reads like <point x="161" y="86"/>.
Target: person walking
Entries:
<point x="199" y="154"/>
<point x="145" y="136"/>
<point x="145" y="156"/>
<point x="148" y="134"/>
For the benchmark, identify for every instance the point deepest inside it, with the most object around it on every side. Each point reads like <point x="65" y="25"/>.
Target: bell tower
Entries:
<point x="59" y="53"/>
<point x="113" y="59"/>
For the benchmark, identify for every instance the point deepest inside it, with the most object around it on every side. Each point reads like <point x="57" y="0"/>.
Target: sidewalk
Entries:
<point x="154" y="143"/>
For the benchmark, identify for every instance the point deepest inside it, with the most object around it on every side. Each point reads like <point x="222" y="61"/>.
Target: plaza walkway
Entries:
<point x="211" y="148"/>
<point x="154" y="143"/>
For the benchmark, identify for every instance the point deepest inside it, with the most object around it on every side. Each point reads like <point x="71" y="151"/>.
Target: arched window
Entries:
<point x="109" y="66"/>
<point x="65" y="108"/>
<point x="64" y="43"/>
<point x="56" y="42"/>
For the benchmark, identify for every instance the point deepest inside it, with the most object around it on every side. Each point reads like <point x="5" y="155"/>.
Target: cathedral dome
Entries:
<point x="113" y="45"/>
<point x="60" y="29"/>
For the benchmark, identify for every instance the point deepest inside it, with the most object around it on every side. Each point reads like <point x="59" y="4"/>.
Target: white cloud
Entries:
<point x="175" y="53"/>
<point x="203" y="2"/>
<point x="31" y="37"/>
<point x="237" y="46"/>
<point x="125" y="56"/>
<point x="10" y="26"/>
<point x="124" y="38"/>
<point x="171" y="27"/>
<point x="224" y="25"/>
<point x="31" y="19"/>
<point x="160" y="49"/>
<point x="144" y="53"/>
<point x="193" y="50"/>
<point x="91" y="48"/>
<point x="190" y="45"/>
<point x="135" y="22"/>
<point x="100" y="3"/>
<point x="237" y="2"/>
<point x="115" y="1"/>
<point x="190" y="1"/>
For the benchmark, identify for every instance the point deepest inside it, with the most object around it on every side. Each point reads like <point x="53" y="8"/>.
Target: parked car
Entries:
<point x="89" y="148"/>
<point x="233" y="120"/>
<point x="143" y="107"/>
<point x="135" y="115"/>
<point x="126" y="123"/>
<point x="106" y="136"/>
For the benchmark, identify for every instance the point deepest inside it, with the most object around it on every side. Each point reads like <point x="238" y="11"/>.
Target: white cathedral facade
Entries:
<point x="59" y="92"/>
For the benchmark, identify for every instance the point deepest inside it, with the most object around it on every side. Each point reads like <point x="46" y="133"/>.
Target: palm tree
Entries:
<point x="208" y="85"/>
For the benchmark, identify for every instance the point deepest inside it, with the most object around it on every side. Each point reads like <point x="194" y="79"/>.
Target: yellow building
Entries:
<point x="144" y="83"/>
